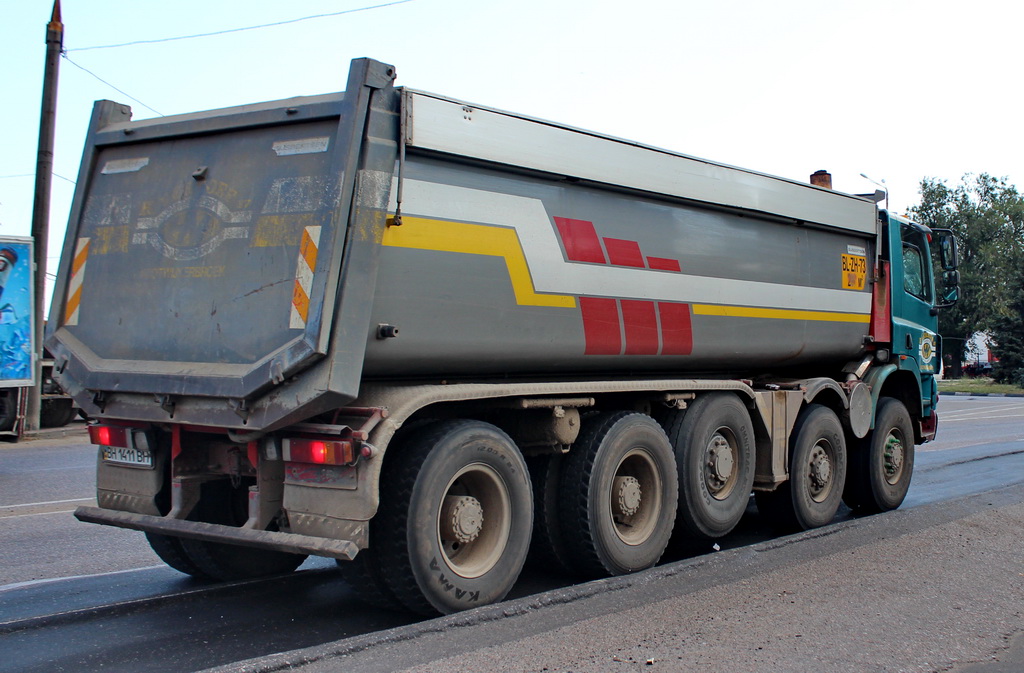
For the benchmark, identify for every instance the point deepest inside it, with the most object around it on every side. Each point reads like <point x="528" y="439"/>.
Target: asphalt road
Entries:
<point x="83" y="598"/>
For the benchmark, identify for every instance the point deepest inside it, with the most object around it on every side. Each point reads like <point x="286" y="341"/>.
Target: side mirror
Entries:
<point x="947" y="249"/>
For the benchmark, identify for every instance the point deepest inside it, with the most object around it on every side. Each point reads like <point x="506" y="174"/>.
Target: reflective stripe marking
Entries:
<point x="641" y="327"/>
<point x="601" y="326"/>
<point x="304" y="277"/>
<point x="624" y="253"/>
<point x="778" y="313"/>
<point x="676" y="329"/>
<point x="74" y="302"/>
<point x="475" y="239"/>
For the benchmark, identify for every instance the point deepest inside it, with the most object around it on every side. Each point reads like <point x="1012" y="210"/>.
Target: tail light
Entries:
<point x="319" y="451"/>
<point x="108" y="435"/>
<point x="121" y="437"/>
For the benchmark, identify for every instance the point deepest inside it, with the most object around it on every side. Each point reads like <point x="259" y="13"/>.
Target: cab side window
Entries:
<point x="913" y="272"/>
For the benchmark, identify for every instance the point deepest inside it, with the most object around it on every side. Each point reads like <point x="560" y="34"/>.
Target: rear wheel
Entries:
<point x="714" y="448"/>
<point x="362" y="574"/>
<point x="547" y="548"/>
<point x="220" y="503"/>
<point x="171" y="552"/>
<point x="455" y="517"/>
<point x="618" y="495"/>
<point x="883" y="463"/>
<point x="817" y="472"/>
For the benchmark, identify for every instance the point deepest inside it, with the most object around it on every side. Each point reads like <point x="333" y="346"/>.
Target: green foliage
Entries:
<point x="1008" y="339"/>
<point x="987" y="217"/>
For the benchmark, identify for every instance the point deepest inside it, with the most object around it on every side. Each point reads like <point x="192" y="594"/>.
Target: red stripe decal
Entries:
<point x="676" y="330"/>
<point x="663" y="264"/>
<point x="580" y="240"/>
<point x="624" y="253"/>
<point x="601" y="326"/>
<point x="641" y="327"/>
<point x="881" y="321"/>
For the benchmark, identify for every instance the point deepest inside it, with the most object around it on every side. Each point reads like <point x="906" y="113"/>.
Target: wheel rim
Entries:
<point x="893" y="457"/>
<point x="636" y="493"/>
<point x="474" y="520"/>
<point x="721" y="464"/>
<point x="821" y="469"/>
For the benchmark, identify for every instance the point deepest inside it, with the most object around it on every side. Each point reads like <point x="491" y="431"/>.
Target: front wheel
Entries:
<point x="455" y="517"/>
<point x="883" y="462"/>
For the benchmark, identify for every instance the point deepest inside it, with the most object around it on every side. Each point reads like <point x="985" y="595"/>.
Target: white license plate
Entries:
<point x="125" y="456"/>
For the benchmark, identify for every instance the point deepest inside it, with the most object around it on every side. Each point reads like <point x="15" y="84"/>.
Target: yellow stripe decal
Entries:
<point x="778" y="313"/>
<point x="479" y="239"/>
<point x="476" y="239"/>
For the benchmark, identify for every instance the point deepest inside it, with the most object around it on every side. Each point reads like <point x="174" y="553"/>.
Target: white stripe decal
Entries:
<point x="552" y="274"/>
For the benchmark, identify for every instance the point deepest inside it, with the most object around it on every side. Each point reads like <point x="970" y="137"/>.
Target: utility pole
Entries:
<point x="41" y="205"/>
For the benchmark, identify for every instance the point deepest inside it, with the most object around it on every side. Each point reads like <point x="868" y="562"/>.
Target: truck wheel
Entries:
<point x="817" y="472"/>
<point x="8" y="408"/>
<point x="714" y="447"/>
<point x="619" y="489"/>
<point x="171" y="552"/>
<point x="222" y="504"/>
<point x="455" y="517"/>
<point x="547" y="548"/>
<point x="362" y="574"/>
<point x="883" y="462"/>
<point x="56" y="413"/>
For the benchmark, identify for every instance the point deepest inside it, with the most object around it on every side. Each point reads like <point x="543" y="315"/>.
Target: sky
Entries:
<point x="898" y="90"/>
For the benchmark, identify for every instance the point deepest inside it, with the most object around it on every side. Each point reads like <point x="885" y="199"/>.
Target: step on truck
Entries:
<point x="424" y="337"/>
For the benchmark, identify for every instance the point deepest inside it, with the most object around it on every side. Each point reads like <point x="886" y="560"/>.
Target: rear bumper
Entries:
<point x="209" y="532"/>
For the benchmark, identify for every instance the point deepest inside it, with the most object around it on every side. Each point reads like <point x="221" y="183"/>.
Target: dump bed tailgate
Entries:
<point x="204" y="251"/>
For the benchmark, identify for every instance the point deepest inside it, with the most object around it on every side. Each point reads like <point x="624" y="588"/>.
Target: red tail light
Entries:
<point x="107" y="435"/>
<point x="319" y="451"/>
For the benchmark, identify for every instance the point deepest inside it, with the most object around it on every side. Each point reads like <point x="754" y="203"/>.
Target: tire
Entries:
<point x="547" y="548"/>
<point x="222" y="504"/>
<point x="362" y="574"/>
<point x="171" y="552"/>
<point x="817" y="473"/>
<point x="455" y="517"/>
<point x="882" y="464"/>
<point x="619" y="491"/>
<point x="714" y="449"/>
<point x="8" y="409"/>
<point x="56" y="413"/>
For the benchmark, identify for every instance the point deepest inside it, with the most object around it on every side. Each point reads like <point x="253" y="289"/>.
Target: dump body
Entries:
<point x="245" y="268"/>
<point x="425" y="336"/>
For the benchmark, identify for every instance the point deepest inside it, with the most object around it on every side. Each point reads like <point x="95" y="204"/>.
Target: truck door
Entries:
<point x="915" y="325"/>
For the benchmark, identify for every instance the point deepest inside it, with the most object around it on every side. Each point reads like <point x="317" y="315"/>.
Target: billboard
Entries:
<point x="17" y="304"/>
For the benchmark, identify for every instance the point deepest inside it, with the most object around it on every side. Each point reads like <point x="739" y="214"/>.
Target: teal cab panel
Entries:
<point x="915" y="341"/>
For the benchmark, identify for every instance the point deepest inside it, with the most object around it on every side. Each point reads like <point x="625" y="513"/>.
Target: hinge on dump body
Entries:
<point x="241" y="408"/>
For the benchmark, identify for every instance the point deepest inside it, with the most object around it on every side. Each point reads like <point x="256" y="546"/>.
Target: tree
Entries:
<point x="1008" y="339"/>
<point x="986" y="215"/>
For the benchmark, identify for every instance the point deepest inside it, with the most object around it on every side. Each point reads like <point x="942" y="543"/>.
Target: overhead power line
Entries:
<point x="121" y="91"/>
<point x="29" y="175"/>
<point x="239" y="30"/>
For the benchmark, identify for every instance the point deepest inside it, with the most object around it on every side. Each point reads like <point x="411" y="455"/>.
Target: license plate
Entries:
<point x="125" y="456"/>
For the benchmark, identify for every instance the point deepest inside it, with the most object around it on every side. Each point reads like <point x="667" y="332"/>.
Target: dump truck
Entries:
<point x="424" y="337"/>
